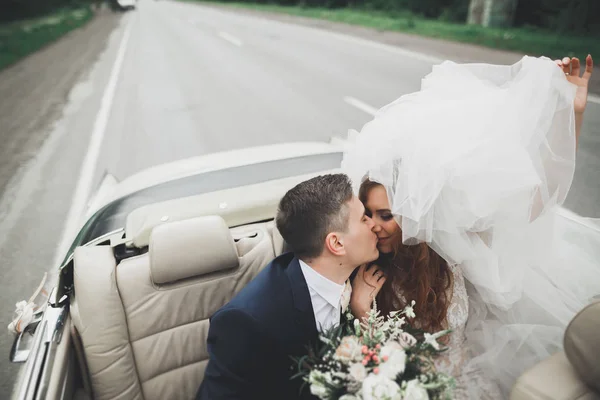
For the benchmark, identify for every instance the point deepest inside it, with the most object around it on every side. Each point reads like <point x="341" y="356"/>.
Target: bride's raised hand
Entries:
<point x="572" y="69"/>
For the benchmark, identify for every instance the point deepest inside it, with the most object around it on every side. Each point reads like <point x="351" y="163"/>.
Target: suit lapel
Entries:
<point x="304" y="315"/>
<point x="304" y="333"/>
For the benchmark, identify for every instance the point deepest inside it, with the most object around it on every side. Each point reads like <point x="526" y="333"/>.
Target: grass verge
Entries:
<point x="20" y="38"/>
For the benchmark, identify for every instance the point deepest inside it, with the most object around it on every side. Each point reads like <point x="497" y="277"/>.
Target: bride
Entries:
<point x="464" y="181"/>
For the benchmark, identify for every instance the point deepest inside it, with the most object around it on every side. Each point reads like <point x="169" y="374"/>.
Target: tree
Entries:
<point x="492" y="13"/>
<point x="476" y="11"/>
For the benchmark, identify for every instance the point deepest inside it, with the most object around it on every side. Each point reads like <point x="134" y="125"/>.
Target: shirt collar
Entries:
<point x="327" y="289"/>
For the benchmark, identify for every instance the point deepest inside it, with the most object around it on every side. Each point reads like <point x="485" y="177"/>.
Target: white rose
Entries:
<point x="378" y="387"/>
<point x="315" y="375"/>
<point x="319" y="390"/>
<point x="388" y="347"/>
<point x="407" y="340"/>
<point x="349" y="397"/>
<point x="393" y="360"/>
<point x="358" y="372"/>
<point x="316" y="379"/>
<point x="415" y="391"/>
<point x="349" y="350"/>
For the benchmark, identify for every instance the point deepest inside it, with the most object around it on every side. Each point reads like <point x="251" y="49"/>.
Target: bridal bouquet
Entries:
<point x="377" y="359"/>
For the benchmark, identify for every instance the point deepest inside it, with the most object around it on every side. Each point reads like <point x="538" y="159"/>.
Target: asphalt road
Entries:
<point x="175" y="80"/>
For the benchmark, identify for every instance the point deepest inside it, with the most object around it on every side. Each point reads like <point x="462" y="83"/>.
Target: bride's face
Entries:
<point x="377" y="207"/>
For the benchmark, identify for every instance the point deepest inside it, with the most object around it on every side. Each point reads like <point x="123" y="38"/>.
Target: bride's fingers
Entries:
<point x="566" y="65"/>
<point x="374" y="269"/>
<point x="575" y="67"/>
<point x="589" y="66"/>
<point x="377" y="287"/>
<point x="375" y="278"/>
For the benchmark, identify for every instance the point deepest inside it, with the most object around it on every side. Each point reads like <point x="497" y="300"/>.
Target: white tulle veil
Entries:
<point x="477" y="164"/>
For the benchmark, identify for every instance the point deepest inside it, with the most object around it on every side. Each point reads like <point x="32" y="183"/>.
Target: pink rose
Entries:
<point x="349" y="350"/>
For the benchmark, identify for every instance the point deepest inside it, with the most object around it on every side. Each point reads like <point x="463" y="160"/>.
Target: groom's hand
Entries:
<point x="365" y="287"/>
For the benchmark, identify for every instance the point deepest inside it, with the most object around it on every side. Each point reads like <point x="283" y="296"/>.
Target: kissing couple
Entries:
<point x="449" y="198"/>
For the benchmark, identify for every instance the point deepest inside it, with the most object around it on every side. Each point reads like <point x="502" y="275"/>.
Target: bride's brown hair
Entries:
<point x="413" y="272"/>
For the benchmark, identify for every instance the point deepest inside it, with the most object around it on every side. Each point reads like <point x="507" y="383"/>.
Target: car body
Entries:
<point x="241" y="188"/>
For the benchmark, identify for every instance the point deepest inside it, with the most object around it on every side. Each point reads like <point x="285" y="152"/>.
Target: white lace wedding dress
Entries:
<point x="471" y="383"/>
<point x="477" y="164"/>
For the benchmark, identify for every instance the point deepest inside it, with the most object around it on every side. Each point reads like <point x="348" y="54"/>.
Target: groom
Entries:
<point x="277" y="314"/>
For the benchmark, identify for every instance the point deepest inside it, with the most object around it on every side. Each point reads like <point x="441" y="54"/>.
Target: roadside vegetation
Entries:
<point x="553" y="28"/>
<point x="23" y="37"/>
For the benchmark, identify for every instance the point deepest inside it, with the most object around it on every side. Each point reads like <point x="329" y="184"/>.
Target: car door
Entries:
<point x="46" y="350"/>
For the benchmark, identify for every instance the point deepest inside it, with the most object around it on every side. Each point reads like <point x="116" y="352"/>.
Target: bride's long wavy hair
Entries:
<point x="413" y="272"/>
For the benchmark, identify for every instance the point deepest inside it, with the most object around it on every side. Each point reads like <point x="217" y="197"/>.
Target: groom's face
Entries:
<point x="360" y="241"/>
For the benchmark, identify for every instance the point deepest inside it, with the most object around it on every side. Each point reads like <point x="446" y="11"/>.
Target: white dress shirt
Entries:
<point x="325" y="296"/>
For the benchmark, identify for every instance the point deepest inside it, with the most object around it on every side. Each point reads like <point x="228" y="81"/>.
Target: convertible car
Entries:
<point x="158" y="254"/>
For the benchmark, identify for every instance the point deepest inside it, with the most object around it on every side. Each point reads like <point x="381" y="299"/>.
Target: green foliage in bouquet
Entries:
<point x="380" y="358"/>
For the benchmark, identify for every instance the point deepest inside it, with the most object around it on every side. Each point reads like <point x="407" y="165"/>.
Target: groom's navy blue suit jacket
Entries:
<point x="251" y="339"/>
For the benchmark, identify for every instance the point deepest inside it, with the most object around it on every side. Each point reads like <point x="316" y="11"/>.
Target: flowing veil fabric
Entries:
<point x="477" y="164"/>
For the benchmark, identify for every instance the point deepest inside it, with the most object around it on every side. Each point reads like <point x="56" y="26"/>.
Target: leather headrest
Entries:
<point x="191" y="248"/>
<point x="582" y="345"/>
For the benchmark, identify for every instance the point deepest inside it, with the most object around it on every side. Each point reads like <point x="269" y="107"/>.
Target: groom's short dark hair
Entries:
<point x="311" y="210"/>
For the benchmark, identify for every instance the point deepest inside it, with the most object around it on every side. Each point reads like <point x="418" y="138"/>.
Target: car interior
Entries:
<point x="138" y="320"/>
<point x="141" y="326"/>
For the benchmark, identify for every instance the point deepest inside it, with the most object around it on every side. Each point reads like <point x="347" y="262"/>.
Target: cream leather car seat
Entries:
<point x="143" y="323"/>
<point x="572" y="374"/>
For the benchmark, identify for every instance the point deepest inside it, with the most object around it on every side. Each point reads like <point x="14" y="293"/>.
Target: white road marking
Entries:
<point x="231" y="39"/>
<point x="386" y="47"/>
<point x="381" y="46"/>
<point x="365" y="42"/>
<point x="361" y="105"/>
<point x="86" y="175"/>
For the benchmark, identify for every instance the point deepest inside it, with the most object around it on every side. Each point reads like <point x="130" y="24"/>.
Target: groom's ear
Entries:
<point x="334" y="243"/>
